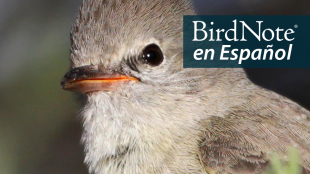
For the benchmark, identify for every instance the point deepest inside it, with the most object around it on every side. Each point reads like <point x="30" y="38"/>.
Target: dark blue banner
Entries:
<point x="246" y="41"/>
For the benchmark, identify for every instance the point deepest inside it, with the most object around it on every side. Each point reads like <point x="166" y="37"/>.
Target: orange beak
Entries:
<point x="87" y="79"/>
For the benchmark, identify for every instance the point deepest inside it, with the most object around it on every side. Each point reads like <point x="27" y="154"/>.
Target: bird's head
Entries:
<point x="121" y="44"/>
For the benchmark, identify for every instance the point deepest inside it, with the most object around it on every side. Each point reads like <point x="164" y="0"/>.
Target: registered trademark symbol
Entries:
<point x="296" y="26"/>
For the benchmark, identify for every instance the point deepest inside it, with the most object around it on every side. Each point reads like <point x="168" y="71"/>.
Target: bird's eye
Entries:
<point x="152" y="55"/>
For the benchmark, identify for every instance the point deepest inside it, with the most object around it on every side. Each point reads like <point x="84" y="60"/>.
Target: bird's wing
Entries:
<point x="242" y="141"/>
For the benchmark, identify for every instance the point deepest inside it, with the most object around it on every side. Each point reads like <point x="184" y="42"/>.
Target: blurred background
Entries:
<point x="39" y="129"/>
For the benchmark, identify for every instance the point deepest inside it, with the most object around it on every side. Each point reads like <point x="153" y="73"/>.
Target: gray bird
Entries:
<point x="145" y="114"/>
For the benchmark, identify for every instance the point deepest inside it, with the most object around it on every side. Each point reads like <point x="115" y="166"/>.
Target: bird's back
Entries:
<point x="243" y="140"/>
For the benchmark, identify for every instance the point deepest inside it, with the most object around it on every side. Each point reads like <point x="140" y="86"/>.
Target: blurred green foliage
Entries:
<point x="34" y="110"/>
<point x="290" y="167"/>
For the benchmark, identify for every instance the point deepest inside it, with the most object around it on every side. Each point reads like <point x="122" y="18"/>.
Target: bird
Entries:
<point x="146" y="114"/>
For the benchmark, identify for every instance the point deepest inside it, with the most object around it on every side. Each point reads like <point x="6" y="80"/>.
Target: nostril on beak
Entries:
<point x="83" y="72"/>
<point x="88" y="79"/>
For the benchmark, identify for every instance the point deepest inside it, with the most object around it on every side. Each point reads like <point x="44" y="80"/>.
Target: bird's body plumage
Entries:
<point x="174" y="120"/>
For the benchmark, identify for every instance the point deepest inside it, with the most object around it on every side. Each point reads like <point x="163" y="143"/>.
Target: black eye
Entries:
<point x="152" y="55"/>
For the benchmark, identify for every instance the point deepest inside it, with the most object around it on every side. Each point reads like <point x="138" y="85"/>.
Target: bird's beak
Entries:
<point x="89" y="79"/>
